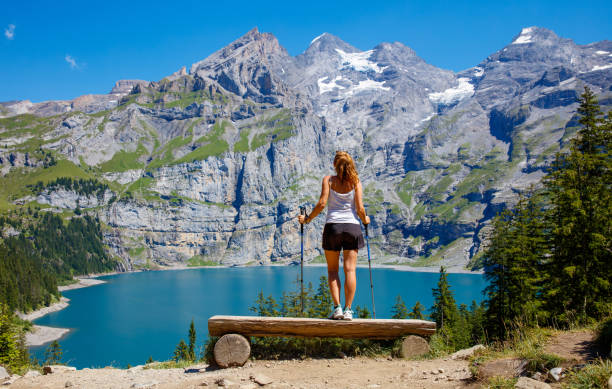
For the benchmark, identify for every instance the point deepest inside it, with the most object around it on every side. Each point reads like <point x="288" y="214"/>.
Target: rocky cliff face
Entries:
<point x="212" y="164"/>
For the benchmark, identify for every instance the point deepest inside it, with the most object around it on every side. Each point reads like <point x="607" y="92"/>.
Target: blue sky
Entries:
<point x="64" y="49"/>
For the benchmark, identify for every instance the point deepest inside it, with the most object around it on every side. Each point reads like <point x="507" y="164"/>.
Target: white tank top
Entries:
<point x="341" y="207"/>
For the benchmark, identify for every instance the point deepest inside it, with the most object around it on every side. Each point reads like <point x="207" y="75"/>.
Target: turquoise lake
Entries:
<point x="137" y="315"/>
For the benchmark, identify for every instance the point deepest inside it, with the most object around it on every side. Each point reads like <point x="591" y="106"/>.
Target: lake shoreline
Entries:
<point x="422" y="269"/>
<point x="428" y="269"/>
<point x="43" y="334"/>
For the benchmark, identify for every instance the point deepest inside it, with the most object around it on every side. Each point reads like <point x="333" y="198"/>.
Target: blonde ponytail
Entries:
<point x="345" y="168"/>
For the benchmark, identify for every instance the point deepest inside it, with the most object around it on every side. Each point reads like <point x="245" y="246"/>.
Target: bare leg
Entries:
<point x="350" y="279"/>
<point x="333" y="259"/>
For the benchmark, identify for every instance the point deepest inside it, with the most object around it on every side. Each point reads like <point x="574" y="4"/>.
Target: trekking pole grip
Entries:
<point x="302" y="212"/>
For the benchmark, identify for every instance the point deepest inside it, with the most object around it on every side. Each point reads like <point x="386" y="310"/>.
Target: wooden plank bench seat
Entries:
<point x="306" y="327"/>
<point x="233" y="349"/>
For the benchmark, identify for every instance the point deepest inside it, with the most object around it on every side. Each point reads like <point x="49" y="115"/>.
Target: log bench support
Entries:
<point x="233" y="348"/>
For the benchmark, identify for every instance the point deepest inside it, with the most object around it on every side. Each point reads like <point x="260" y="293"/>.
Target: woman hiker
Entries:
<point x="342" y="230"/>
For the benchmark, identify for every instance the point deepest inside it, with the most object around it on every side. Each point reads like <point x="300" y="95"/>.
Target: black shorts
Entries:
<point x="338" y="236"/>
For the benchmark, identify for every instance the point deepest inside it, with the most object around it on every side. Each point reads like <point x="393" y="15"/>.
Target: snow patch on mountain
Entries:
<point x="366" y="85"/>
<point x="478" y="71"/>
<point x="329" y="86"/>
<point x="425" y="119"/>
<point x="525" y="36"/>
<point x="601" y="52"/>
<point x="603" y="67"/>
<point x="359" y="61"/>
<point x="453" y="95"/>
<point x="317" y="38"/>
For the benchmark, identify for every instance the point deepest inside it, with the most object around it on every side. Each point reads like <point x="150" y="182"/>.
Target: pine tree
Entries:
<point x="363" y="312"/>
<point x="477" y="323"/>
<point x="192" y="341"/>
<point x="514" y="268"/>
<point x="181" y="353"/>
<point x="13" y="353"/>
<point x="53" y="354"/>
<point x="322" y="300"/>
<point x="399" y="309"/>
<point x="444" y="310"/>
<point x="265" y="306"/>
<point x="417" y="311"/>
<point x="580" y="187"/>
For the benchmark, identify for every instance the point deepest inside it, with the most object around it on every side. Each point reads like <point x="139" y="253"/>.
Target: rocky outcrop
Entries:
<point x="123" y="87"/>
<point x="68" y="199"/>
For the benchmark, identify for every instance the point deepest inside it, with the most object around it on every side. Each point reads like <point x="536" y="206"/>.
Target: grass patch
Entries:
<point x="67" y="282"/>
<point x="276" y="128"/>
<point x="412" y="184"/>
<point x="318" y="259"/>
<point x="186" y="99"/>
<point x="198" y="260"/>
<point x="524" y="343"/>
<point x="27" y="125"/>
<point x="480" y="178"/>
<point x="501" y="383"/>
<point x="181" y="364"/>
<point x="373" y="198"/>
<point x="165" y="155"/>
<point x="20" y="122"/>
<point x="15" y="184"/>
<point x="214" y="145"/>
<point x="136" y="251"/>
<point x="125" y="160"/>
<point x="102" y="125"/>
<point x="141" y="187"/>
<point x="594" y="375"/>
<point x="242" y="146"/>
<point x="211" y="144"/>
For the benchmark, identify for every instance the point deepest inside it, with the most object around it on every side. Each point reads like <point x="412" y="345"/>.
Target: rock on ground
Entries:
<point x="507" y="367"/>
<point x="413" y="346"/>
<point x="528" y="383"/>
<point x="466" y="353"/>
<point x="261" y="379"/>
<point x="54" y="369"/>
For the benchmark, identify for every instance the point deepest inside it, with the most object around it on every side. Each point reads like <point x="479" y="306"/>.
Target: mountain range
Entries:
<point x="210" y="164"/>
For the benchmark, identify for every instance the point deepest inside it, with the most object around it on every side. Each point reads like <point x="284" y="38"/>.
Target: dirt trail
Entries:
<point x="573" y="346"/>
<point x="311" y="373"/>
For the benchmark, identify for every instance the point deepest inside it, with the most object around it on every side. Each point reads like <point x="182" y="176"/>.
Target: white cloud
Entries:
<point x="71" y="61"/>
<point x="9" y="32"/>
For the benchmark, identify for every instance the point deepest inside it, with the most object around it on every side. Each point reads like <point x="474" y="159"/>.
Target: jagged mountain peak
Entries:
<point x="537" y="36"/>
<point x="394" y="52"/>
<point x="537" y="45"/>
<point x="251" y="46"/>
<point x="327" y="42"/>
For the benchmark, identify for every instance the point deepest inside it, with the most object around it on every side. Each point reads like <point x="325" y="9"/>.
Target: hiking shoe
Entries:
<point x="337" y="313"/>
<point x="348" y="314"/>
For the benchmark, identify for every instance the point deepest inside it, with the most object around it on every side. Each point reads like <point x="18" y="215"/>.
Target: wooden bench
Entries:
<point x="233" y="348"/>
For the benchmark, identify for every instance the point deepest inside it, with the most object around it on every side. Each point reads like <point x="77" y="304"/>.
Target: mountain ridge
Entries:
<point x="213" y="162"/>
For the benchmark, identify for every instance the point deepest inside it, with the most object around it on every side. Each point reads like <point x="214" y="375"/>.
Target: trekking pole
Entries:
<point x="370" y="267"/>
<point x="302" y="212"/>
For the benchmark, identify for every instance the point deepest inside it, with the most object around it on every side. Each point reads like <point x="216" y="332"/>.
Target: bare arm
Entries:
<point x="365" y="219"/>
<point x="320" y="204"/>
